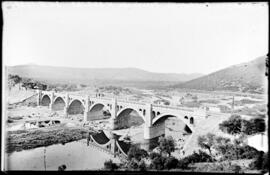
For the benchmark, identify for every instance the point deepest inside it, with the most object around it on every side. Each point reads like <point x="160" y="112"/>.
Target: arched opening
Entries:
<point x="175" y="126"/>
<point x="45" y="101"/>
<point x="98" y="112"/>
<point x="76" y="107"/>
<point x="191" y="120"/>
<point x="59" y="104"/>
<point x="127" y="118"/>
<point x="153" y="114"/>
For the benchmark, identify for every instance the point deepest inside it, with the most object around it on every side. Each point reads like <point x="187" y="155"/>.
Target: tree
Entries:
<point x="206" y="141"/>
<point x="254" y="126"/>
<point x="166" y="145"/>
<point x="232" y="126"/>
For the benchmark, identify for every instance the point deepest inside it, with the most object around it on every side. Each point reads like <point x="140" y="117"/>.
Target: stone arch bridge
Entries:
<point x="152" y="115"/>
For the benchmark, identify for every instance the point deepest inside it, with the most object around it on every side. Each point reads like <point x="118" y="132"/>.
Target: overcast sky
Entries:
<point x="171" y="38"/>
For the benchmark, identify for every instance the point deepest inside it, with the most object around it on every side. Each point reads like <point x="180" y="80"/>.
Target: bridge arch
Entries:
<point x="98" y="111"/>
<point x="125" y="119"/>
<point x="99" y="105"/>
<point x="128" y="110"/>
<point x="178" y="116"/>
<point x="76" y="107"/>
<point x="45" y="100"/>
<point x="58" y="104"/>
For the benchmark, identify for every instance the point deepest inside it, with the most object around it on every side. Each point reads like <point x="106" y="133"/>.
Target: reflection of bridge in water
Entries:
<point x="109" y="144"/>
<point x="153" y="116"/>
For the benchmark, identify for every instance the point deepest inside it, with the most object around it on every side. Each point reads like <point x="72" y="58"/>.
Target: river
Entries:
<point x="75" y="155"/>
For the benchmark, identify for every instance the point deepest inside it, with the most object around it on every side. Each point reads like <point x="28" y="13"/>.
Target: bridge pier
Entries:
<point x="148" y="122"/>
<point x="51" y="103"/>
<point x="38" y="97"/>
<point x="113" y="121"/>
<point x="66" y="105"/>
<point x="86" y="109"/>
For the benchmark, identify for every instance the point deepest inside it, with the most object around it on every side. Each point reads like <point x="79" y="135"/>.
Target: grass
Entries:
<point x="29" y="139"/>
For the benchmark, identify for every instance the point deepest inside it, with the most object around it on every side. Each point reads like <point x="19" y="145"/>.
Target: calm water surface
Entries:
<point x="75" y="155"/>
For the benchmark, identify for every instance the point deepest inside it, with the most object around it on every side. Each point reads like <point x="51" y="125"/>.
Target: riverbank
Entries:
<point x="28" y="139"/>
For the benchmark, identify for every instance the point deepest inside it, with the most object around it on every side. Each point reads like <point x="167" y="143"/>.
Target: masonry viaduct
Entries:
<point x="152" y="115"/>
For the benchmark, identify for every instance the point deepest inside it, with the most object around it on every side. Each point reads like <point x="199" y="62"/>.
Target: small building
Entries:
<point x="162" y="102"/>
<point x="211" y="107"/>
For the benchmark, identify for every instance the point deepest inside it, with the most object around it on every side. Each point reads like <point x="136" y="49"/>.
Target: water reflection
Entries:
<point x="75" y="155"/>
<point x="86" y="154"/>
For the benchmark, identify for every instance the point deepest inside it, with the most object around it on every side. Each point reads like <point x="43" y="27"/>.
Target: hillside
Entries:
<point x="87" y="75"/>
<point x="246" y="77"/>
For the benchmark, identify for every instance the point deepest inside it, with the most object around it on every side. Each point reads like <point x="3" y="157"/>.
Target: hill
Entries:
<point x="246" y="77"/>
<point x="88" y="75"/>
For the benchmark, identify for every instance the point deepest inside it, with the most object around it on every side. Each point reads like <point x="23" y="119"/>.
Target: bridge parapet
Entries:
<point x="101" y="98"/>
<point x="172" y="107"/>
<point x="130" y="102"/>
<point x="56" y="94"/>
<point x="46" y="92"/>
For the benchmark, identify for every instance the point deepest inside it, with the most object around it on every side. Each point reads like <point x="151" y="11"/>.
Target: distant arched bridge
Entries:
<point x="152" y="115"/>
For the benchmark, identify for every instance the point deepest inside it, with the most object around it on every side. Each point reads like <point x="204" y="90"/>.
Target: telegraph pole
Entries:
<point x="45" y="158"/>
<point x="232" y="110"/>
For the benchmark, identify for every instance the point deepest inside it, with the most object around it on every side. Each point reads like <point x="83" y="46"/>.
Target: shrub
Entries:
<point x="199" y="157"/>
<point x="154" y="155"/>
<point x="109" y="165"/>
<point x="10" y="120"/>
<point x="137" y="153"/>
<point x="170" y="162"/>
<point x="183" y="163"/>
<point x="132" y="164"/>
<point x="142" y="166"/>
<point x="261" y="162"/>
<point x="157" y="163"/>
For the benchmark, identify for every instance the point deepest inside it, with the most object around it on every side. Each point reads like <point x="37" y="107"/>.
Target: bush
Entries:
<point x="170" y="162"/>
<point x="157" y="163"/>
<point x="154" y="155"/>
<point x="231" y="151"/>
<point x="183" y="163"/>
<point x="137" y="153"/>
<point x="10" y="120"/>
<point x="109" y="165"/>
<point x="199" y="157"/>
<point x="194" y="158"/>
<point x="261" y="162"/>
<point x="142" y="166"/>
<point x="132" y="164"/>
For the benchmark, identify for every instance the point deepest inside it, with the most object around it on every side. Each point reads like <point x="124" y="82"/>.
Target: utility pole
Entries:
<point x="45" y="158"/>
<point x="232" y="110"/>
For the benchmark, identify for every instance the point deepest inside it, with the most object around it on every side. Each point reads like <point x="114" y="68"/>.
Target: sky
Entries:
<point x="157" y="37"/>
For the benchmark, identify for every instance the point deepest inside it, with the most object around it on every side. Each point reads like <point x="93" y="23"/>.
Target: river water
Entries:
<point x="75" y="155"/>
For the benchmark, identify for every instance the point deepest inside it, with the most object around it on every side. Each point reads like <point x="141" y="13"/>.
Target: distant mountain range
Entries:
<point x="246" y="77"/>
<point x="87" y="75"/>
